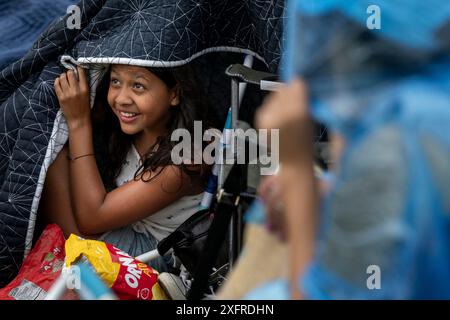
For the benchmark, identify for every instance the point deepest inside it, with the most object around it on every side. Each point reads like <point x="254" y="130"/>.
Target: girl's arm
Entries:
<point x="97" y="211"/>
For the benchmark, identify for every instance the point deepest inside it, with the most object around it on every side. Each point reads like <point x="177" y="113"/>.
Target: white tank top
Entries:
<point x="166" y="220"/>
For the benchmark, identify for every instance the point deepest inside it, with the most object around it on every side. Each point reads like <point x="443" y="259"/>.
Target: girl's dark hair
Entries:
<point x="193" y="106"/>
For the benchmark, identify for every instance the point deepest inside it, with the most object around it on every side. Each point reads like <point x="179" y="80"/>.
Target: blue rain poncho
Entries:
<point x="385" y="226"/>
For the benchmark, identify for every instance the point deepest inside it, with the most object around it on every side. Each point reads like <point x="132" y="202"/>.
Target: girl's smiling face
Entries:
<point x="140" y="100"/>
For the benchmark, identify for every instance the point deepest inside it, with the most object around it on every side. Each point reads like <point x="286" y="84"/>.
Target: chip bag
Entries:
<point x="129" y="278"/>
<point x="40" y="269"/>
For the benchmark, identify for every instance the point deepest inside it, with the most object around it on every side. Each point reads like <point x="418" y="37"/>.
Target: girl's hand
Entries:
<point x="73" y="96"/>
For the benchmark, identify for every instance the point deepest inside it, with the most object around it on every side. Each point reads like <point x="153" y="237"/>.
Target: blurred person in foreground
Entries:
<point x="383" y="229"/>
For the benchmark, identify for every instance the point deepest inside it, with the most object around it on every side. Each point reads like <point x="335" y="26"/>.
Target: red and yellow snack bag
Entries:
<point x="126" y="276"/>
<point x="40" y="269"/>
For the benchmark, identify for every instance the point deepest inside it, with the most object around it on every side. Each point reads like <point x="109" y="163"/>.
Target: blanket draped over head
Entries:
<point x="21" y="22"/>
<point x="140" y="32"/>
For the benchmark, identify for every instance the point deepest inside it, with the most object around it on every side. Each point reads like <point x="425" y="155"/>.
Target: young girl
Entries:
<point x="150" y="196"/>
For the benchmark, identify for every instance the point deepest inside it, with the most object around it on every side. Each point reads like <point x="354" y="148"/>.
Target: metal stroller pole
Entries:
<point x="237" y="94"/>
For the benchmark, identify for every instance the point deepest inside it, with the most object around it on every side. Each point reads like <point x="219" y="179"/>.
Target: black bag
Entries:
<point x="189" y="239"/>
